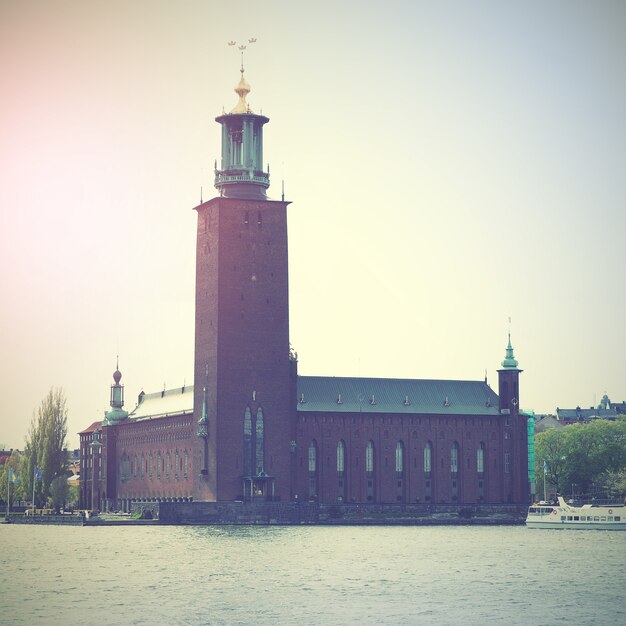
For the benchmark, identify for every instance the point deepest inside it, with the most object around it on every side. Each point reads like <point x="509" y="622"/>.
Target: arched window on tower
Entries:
<point x="159" y="461"/>
<point x="341" y="471"/>
<point x="247" y="442"/>
<point x="260" y="442"/>
<point x="369" y="471"/>
<point x="313" y="469"/>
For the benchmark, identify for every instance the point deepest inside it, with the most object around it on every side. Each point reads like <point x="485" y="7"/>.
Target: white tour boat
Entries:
<point x="566" y="516"/>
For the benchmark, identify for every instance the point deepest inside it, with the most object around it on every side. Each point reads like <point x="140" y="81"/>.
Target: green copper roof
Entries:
<point x="395" y="395"/>
<point x="510" y="362"/>
<point x="114" y="416"/>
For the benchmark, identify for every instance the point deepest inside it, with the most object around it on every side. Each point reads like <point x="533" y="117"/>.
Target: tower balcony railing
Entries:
<point x="242" y="177"/>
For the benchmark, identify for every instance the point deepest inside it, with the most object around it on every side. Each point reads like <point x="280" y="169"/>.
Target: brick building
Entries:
<point x="250" y="428"/>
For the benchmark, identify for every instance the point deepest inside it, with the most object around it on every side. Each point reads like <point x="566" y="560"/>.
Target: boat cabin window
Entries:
<point x="562" y="518"/>
<point x="541" y="510"/>
<point x="617" y="518"/>
<point x="576" y="518"/>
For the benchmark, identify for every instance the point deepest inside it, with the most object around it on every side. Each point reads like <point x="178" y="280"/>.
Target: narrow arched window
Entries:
<point x="428" y="457"/>
<point x="480" y="458"/>
<point x="369" y="457"/>
<point x="247" y="442"/>
<point x="399" y="457"/>
<point x="150" y="465"/>
<point x="260" y="441"/>
<point x="312" y="458"/>
<point x="159" y="464"/>
<point x="369" y="471"/>
<point x="176" y="457"/>
<point x="454" y="458"/>
<point x="341" y="456"/>
<point x="312" y="469"/>
<point x="185" y="458"/>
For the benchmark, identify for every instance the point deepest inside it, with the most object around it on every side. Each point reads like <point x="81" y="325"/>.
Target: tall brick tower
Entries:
<point x="516" y="486"/>
<point x="242" y="397"/>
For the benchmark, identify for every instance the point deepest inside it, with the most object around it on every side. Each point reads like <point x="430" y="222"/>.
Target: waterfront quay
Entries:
<point x="287" y="514"/>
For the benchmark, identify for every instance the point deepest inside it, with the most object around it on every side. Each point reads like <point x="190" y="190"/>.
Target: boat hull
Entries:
<point x="577" y="525"/>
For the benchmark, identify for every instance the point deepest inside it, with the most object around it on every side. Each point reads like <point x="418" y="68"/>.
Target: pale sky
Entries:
<point x="450" y="164"/>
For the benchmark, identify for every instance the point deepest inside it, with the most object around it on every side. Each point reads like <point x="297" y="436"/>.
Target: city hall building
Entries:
<point x="251" y="429"/>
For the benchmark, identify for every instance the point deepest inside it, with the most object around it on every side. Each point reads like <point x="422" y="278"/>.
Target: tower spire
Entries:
<point x="510" y="362"/>
<point x="117" y="413"/>
<point x="241" y="173"/>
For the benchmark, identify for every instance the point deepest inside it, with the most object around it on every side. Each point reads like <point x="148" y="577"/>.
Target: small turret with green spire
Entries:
<point x="510" y="362"/>
<point x="117" y="413"/>
<point x="203" y="428"/>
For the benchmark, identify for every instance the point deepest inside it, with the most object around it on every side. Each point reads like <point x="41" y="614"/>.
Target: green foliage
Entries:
<point x="58" y="492"/>
<point x="17" y="490"/>
<point x="45" y="444"/>
<point x="584" y="458"/>
<point x="73" y="496"/>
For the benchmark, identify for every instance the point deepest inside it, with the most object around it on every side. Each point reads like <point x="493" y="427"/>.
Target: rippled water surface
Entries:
<point x="311" y="575"/>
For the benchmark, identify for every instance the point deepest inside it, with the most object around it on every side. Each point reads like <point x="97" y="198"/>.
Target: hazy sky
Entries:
<point x="450" y="164"/>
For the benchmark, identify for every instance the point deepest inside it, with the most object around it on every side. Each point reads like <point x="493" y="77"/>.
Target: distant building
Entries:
<point x="546" y="422"/>
<point x="250" y="428"/>
<point x="605" y="410"/>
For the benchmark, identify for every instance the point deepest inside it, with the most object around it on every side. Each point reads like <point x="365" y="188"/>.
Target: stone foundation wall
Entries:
<point x="291" y="513"/>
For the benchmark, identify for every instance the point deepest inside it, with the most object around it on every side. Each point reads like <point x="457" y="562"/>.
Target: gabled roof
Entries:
<point x="91" y="428"/>
<point x="585" y="414"/>
<point x="163" y="403"/>
<point x="395" y="395"/>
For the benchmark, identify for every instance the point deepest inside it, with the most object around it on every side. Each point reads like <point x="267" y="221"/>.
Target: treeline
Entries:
<point x="586" y="460"/>
<point x="43" y="462"/>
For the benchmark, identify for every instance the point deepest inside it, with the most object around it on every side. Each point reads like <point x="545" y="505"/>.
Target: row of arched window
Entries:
<point x="400" y="463"/>
<point x="159" y="465"/>
<point x="399" y="457"/>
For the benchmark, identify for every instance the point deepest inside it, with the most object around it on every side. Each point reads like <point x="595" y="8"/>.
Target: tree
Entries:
<point x="45" y="444"/>
<point x="17" y="486"/>
<point x="551" y="449"/>
<point x="59" y="491"/>
<point x="583" y="456"/>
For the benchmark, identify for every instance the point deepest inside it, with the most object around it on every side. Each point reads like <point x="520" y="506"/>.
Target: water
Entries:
<point x="310" y="575"/>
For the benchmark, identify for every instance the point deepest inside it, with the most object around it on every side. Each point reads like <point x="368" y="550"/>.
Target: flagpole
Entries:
<point x="9" y="491"/>
<point x="34" y="482"/>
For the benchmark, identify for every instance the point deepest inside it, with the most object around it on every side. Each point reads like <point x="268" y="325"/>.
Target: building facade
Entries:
<point x="250" y="428"/>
